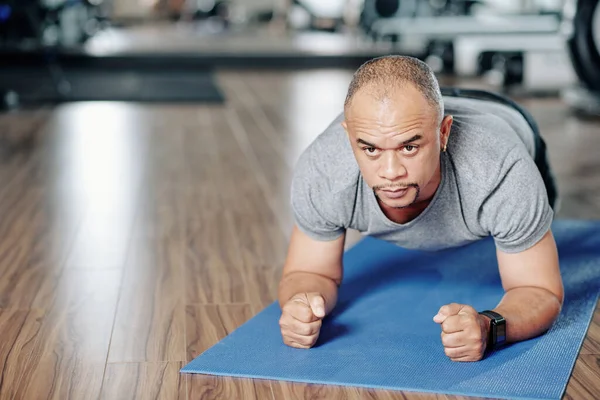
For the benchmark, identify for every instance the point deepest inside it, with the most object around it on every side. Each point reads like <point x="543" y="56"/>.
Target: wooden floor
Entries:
<point x="134" y="237"/>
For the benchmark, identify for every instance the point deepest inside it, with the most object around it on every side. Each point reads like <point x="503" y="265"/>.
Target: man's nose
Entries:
<point x="391" y="167"/>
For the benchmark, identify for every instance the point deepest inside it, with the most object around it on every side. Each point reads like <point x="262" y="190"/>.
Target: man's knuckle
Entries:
<point x="316" y="328"/>
<point x="444" y="339"/>
<point x="287" y="307"/>
<point x="306" y="341"/>
<point x="447" y="325"/>
<point x="304" y="330"/>
<point x="297" y="328"/>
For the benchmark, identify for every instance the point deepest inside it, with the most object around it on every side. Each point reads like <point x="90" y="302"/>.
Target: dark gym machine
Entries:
<point x="35" y="23"/>
<point x="582" y="31"/>
<point x="46" y="27"/>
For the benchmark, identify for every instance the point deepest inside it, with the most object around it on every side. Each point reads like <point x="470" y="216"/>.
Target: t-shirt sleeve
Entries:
<point x="517" y="212"/>
<point x="312" y="202"/>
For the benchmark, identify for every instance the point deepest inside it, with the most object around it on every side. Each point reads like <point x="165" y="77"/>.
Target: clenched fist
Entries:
<point x="300" y="320"/>
<point x="464" y="332"/>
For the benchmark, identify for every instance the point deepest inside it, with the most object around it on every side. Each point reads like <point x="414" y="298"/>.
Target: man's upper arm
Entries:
<point x="517" y="212"/>
<point x="306" y="254"/>
<point x="535" y="267"/>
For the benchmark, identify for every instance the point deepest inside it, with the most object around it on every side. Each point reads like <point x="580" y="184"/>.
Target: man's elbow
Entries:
<point x="559" y="293"/>
<point x="558" y="296"/>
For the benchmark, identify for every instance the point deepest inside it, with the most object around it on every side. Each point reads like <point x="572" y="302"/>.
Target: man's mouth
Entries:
<point x="395" y="193"/>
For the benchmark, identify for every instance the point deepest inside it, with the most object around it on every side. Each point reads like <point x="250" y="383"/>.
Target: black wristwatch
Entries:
<point x="497" y="336"/>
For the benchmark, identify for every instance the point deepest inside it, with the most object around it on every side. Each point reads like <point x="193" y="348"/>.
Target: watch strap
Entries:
<point x="497" y="333"/>
<point x="492" y="315"/>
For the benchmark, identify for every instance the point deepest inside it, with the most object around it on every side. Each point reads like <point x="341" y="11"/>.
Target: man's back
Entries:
<point x="490" y="186"/>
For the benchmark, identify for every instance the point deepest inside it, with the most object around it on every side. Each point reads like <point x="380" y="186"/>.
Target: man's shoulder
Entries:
<point x="328" y="163"/>
<point x="324" y="181"/>
<point x="483" y="145"/>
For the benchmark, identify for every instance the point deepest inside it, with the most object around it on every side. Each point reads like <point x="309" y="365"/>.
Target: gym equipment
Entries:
<point x="46" y="23"/>
<point x="381" y="334"/>
<point x="386" y="8"/>
<point x="566" y="61"/>
<point x="56" y="86"/>
<point x="436" y="25"/>
<point x="533" y="62"/>
<point x="582" y="29"/>
<point x="380" y="18"/>
<point x="318" y="15"/>
<point x="452" y="26"/>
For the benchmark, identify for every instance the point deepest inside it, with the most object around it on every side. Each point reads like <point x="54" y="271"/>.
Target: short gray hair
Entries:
<point x="393" y="71"/>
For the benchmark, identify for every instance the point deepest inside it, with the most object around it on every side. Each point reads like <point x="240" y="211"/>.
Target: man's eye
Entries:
<point x="371" y="151"/>
<point x="410" y="149"/>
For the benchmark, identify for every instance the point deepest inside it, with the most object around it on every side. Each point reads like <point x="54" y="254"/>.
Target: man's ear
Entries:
<point x="345" y="126"/>
<point x="445" y="128"/>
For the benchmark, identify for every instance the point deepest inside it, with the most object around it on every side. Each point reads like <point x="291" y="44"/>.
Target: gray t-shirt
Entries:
<point x="490" y="186"/>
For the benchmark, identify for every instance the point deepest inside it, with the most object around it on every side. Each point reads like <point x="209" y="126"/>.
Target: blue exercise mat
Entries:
<point x="381" y="334"/>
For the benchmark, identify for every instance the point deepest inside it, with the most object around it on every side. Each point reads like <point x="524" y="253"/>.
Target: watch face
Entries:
<point x="500" y="333"/>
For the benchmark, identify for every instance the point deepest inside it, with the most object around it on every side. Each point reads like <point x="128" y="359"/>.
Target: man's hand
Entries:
<point x="300" y="320"/>
<point x="464" y="332"/>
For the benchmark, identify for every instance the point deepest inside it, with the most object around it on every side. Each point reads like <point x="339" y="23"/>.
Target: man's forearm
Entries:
<point x="528" y="311"/>
<point x="306" y="282"/>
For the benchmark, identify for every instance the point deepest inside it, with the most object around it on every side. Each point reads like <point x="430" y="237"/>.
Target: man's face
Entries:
<point x="396" y="142"/>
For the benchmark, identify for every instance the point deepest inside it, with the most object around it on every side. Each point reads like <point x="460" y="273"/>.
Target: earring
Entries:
<point x="445" y="147"/>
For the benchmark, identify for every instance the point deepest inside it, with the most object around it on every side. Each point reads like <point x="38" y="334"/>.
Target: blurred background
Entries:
<point x="529" y="47"/>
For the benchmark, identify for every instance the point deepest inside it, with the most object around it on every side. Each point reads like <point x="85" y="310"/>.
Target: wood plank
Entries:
<point x="99" y="166"/>
<point x="103" y="239"/>
<point x="149" y="324"/>
<point x="301" y="391"/>
<point x="21" y="280"/>
<point x="21" y="140"/>
<point x="250" y="108"/>
<point x="585" y="382"/>
<point x="208" y="324"/>
<point x="205" y="387"/>
<point x="161" y="381"/>
<point x="264" y="150"/>
<point x="226" y="247"/>
<point x="212" y="263"/>
<point x="215" y="272"/>
<point x="69" y="355"/>
<point x="36" y="235"/>
<point x="205" y="326"/>
<point x="297" y="114"/>
<point x="19" y="330"/>
<point x="260" y="207"/>
<point x="591" y="344"/>
<point x="212" y="260"/>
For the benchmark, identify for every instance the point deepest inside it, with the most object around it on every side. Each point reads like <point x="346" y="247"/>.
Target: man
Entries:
<point x="406" y="165"/>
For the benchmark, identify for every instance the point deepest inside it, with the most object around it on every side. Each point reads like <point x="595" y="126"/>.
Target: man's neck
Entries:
<point x="406" y="214"/>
